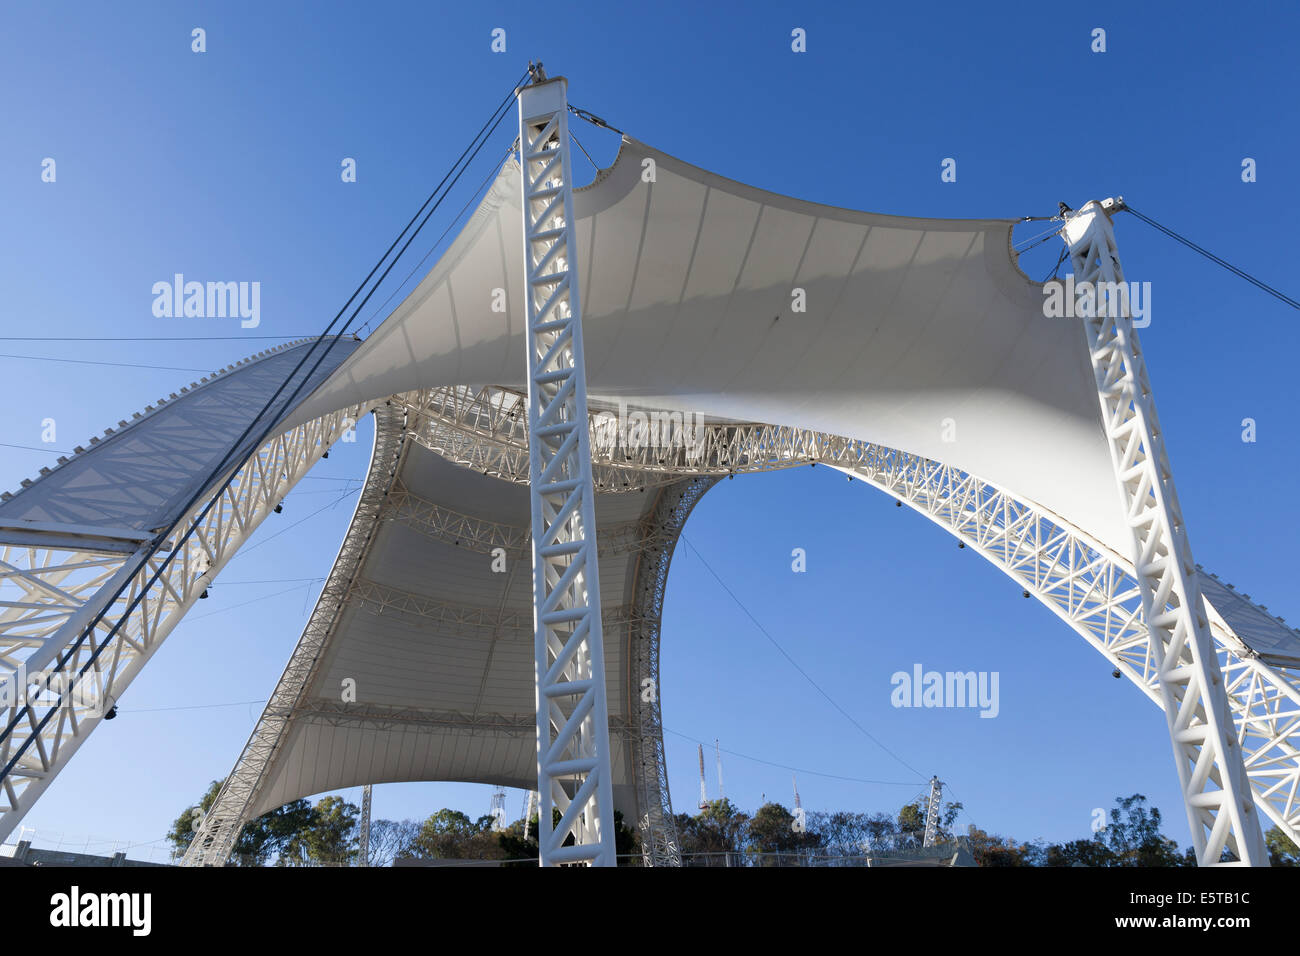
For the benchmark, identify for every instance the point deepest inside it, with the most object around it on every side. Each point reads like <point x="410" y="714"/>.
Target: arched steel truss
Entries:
<point x="1091" y="588"/>
<point x="659" y="841"/>
<point x="49" y="595"/>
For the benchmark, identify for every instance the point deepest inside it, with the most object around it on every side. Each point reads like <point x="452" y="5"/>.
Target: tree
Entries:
<point x="390" y="839"/>
<point x="772" y="830"/>
<point x="992" y="850"/>
<point x="329" y="839"/>
<point x="1079" y="853"/>
<point x="1282" y="851"/>
<point x="847" y="833"/>
<point x="627" y="845"/>
<point x="522" y="852"/>
<point x="259" y="840"/>
<point x="911" y="823"/>
<point x="1133" y="836"/>
<point x="717" y="834"/>
<point x="451" y="835"/>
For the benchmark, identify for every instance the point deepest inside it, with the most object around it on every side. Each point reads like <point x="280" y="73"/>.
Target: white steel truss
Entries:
<point x="1207" y="752"/>
<point x="1089" y="587"/>
<point x="933" y="801"/>
<point x="659" y="840"/>
<point x="573" y="770"/>
<point x="49" y="596"/>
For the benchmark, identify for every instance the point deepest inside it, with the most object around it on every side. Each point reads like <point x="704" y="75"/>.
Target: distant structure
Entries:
<point x="530" y="805"/>
<point x="717" y="749"/>
<point x="364" y="839"/>
<point x="704" y="792"/>
<point x="498" y="809"/>
<point x="932" y="812"/>
<point x="24" y="854"/>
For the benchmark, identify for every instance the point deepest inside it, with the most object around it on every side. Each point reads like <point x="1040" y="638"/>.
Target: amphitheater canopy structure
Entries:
<point x="495" y="606"/>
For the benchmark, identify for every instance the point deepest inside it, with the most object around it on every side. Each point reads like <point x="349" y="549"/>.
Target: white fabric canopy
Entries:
<point x="918" y="334"/>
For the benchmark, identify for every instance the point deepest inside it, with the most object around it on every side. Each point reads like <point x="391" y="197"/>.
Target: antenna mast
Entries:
<point x="364" y="841"/>
<point x="704" y="794"/>
<point x="722" y="795"/>
<point x="932" y="812"/>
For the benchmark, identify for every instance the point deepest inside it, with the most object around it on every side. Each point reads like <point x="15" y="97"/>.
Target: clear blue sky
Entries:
<point x="226" y="165"/>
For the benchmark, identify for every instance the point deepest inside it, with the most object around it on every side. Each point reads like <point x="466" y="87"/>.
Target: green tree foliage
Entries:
<point x="329" y="839"/>
<point x="451" y="835"/>
<point x="300" y="834"/>
<point x="716" y="835"/>
<point x="772" y="830"/>
<point x="522" y="852"/>
<point x="390" y="839"/>
<point x="1133" y="836"/>
<point x="851" y="834"/>
<point x="992" y="850"/>
<point x="260" y="840"/>
<point x="910" y="830"/>
<point x="1281" y="850"/>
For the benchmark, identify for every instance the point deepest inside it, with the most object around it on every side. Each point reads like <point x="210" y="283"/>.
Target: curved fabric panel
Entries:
<point x="138" y="478"/>
<point x="437" y="633"/>
<point x="920" y="334"/>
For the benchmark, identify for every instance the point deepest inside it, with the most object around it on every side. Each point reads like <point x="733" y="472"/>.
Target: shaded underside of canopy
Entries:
<point x="437" y="634"/>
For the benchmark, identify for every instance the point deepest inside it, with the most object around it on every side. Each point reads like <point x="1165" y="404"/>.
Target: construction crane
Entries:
<point x="364" y="840"/>
<point x="704" y="793"/>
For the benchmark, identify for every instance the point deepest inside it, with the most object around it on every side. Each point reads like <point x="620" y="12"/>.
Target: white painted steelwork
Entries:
<point x="573" y="767"/>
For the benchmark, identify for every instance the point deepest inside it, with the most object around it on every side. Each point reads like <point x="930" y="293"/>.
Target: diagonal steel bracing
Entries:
<point x="1207" y="750"/>
<point x="573" y="760"/>
<point x="59" y="678"/>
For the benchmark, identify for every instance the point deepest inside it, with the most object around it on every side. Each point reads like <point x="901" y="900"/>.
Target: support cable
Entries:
<point x="1213" y="258"/>
<point x="593" y="119"/>
<point x="795" y="664"/>
<point x="492" y="173"/>
<point x="782" y="766"/>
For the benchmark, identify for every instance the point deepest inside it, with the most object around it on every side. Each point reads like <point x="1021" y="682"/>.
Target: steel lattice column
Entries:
<point x="573" y="769"/>
<point x="1206" y="748"/>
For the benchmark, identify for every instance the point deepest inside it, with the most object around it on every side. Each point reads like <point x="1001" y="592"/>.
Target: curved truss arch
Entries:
<point x="1091" y="588"/>
<point x="48" y="596"/>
